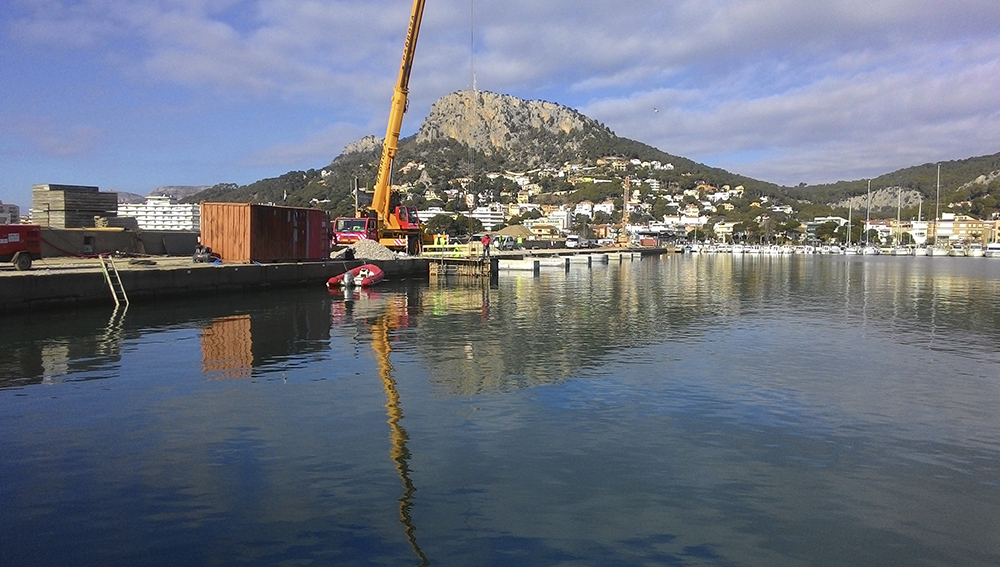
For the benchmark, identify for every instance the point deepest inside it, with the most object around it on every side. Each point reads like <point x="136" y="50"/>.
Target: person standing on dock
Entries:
<point x="486" y="245"/>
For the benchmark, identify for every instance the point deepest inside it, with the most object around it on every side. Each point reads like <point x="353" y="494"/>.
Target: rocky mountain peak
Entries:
<point x="492" y="123"/>
<point x="364" y="145"/>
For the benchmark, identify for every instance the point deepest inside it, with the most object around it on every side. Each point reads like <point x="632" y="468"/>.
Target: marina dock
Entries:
<point x="74" y="281"/>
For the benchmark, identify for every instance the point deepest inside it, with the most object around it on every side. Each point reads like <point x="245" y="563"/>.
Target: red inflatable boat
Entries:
<point x="362" y="276"/>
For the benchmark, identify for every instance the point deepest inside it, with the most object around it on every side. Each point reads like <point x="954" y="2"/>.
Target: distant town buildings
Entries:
<point x="960" y="228"/>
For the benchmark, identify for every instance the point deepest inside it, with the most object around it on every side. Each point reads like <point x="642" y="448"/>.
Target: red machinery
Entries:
<point x="20" y="244"/>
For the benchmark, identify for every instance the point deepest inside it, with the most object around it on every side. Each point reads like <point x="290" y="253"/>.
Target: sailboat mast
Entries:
<point x="850" y="209"/>
<point x="937" y="206"/>
<point x="868" y="215"/>
<point x="899" y="211"/>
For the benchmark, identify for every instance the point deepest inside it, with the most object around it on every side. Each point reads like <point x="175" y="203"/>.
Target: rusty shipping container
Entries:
<point x="243" y="233"/>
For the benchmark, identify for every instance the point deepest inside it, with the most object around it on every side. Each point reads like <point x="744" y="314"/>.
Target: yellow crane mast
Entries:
<point x="397" y="229"/>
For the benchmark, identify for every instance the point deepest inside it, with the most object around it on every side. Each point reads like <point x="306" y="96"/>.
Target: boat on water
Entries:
<point x="975" y="250"/>
<point x="937" y="251"/>
<point x="992" y="250"/>
<point x="362" y="276"/>
<point x="957" y="252"/>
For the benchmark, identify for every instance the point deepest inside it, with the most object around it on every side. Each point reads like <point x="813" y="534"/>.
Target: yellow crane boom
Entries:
<point x="380" y="201"/>
<point x="397" y="229"/>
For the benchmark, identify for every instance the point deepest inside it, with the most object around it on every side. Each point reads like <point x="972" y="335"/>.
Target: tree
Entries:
<point x="789" y="230"/>
<point x="459" y="226"/>
<point x="747" y="232"/>
<point x="581" y="225"/>
<point x="854" y="237"/>
<point x="827" y="231"/>
<point x="873" y="237"/>
<point x="438" y="225"/>
<point x="601" y="217"/>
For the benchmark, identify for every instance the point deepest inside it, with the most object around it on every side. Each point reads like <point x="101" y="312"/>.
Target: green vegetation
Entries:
<point x="448" y="174"/>
<point x="459" y="226"/>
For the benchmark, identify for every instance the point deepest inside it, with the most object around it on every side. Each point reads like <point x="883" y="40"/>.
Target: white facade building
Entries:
<point x="10" y="214"/>
<point x="562" y="218"/>
<point x="160" y="213"/>
<point x="492" y="216"/>
<point x="605" y="207"/>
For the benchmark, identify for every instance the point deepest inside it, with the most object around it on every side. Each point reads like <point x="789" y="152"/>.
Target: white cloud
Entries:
<point x="43" y="135"/>
<point x="317" y="149"/>
<point x="779" y="89"/>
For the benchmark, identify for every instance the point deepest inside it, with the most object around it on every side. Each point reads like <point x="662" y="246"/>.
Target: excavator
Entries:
<point x="398" y="229"/>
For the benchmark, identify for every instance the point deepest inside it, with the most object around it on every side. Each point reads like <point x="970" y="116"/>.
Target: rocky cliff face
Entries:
<point x="885" y="199"/>
<point x="494" y="123"/>
<point x="367" y="144"/>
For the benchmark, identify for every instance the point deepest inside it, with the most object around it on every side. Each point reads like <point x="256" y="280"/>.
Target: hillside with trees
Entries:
<point x="474" y="143"/>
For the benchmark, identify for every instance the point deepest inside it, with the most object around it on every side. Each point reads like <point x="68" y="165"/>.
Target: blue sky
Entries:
<point x="130" y="95"/>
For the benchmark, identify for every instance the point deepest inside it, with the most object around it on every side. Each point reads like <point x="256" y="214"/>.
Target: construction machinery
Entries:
<point x="397" y="229"/>
<point x="20" y="244"/>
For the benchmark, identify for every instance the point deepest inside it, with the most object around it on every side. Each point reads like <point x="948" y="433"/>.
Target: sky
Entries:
<point x="131" y="95"/>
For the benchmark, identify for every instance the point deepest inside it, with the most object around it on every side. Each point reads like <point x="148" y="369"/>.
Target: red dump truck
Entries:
<point x="20" y="244"/>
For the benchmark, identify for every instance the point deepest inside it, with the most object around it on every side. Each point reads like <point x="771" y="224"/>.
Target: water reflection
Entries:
<point x="529" y="331"/>
<point x="681" y="410"/>
<point x="392" y="320"/>
<point x="227" y="348"/>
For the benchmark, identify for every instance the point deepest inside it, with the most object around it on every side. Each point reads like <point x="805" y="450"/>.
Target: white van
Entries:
<point x="573" y="241"/>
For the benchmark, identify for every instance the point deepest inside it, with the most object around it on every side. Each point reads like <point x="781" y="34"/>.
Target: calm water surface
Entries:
<point x="672" y="411"/>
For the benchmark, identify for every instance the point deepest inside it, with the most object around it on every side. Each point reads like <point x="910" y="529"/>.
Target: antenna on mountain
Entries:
<point x="472" y="43"/>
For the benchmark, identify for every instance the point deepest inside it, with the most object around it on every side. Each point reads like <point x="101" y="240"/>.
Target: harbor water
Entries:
<point x="680" y="410"/>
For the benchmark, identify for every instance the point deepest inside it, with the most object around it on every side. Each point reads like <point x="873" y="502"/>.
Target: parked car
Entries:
<point x="505" y="242"/>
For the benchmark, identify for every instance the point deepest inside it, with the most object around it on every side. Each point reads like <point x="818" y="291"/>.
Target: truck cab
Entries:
<point x="20" y="244"/>
<point x="407" y="218"/>
<point x="348" y="230"/>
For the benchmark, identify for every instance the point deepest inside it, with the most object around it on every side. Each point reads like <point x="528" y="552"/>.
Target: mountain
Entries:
<point x="177" y="191"/>
<point x="469" y="134"/>
<point x="526" y="133"/>
<point x="967" y="186"/>
<point x="173" y="191"/>
<point x="130" y="198"/>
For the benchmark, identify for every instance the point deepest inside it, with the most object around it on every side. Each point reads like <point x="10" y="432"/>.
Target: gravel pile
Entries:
<point x="367" y="250"/>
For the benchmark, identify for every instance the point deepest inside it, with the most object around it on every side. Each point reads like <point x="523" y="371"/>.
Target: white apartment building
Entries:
<point x="161" y="213"/>
<point x="10" y="214"/>
<point x="605" y="207"/>
<point x="562" y="218"/>
<point x="491" y="216"/>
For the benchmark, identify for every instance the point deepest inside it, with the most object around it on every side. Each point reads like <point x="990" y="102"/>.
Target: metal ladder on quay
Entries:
<point x="113" y="279"/>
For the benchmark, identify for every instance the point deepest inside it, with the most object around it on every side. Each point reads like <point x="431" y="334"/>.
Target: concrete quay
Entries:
<point x="535" y="263"/>
<point x="62" y="282"/>
<point x="56" y="282"/>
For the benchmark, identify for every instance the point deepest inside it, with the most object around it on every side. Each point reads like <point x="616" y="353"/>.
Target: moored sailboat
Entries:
<point x="937" y="249"/>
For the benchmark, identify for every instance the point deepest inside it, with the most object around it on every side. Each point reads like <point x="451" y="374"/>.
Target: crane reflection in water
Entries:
<point x="393" y="317"/>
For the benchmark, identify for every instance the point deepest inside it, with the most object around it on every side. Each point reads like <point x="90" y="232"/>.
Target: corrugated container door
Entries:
<point x="318" y="231"/>
<point x="225" y="228"/>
